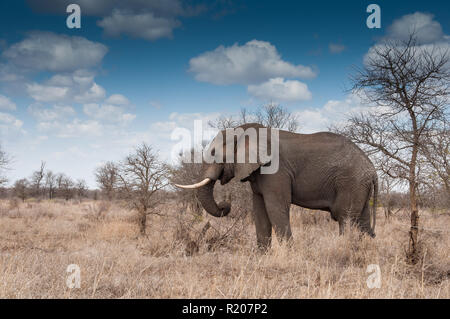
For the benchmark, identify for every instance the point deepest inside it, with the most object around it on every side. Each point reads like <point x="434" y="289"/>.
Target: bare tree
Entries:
<point x="106" y="176"/>
<point x="65" y="186"/>
<point x="81" y="188"/>
<point x="270" y="115"/>
<point x="50" y="184"/>
<point x="409" y="84"/>
<point x="387" y="196"/>
<point x="436" y="150"/>
<point x="4" y="162"/>
<point x="37" y="179"/>
<point x="21" y="189"/>
<point x="140" y="176"/>
<point x="277" y="116"/>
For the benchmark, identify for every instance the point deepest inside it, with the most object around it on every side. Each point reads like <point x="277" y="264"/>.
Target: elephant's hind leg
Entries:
<point x="364" y="220"/>
<point x="347" y="209"/>
<point x="262" y="223"/>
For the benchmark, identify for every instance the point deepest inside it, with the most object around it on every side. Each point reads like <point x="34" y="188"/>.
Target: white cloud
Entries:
<point x="334" y="112"/>
<point x="74" y="128"/>
<point x="8" y="120"/>
<point x="10" y="127"/>
<point x="108" y="113"/>
<point x="6" y="103"/>
<point x="47" y="93"/>
<point x="59" y="120"/>
<point x="139" y="25"/>
<point x="57" y="112"/>
<point x="336" y="48"/>
<point x="9" y="73"/>
<point x="94" y="93"/>
<point x="117" y="99"/>
<point x="78" y="86"/>
<point x="279" y="89"/>
<point x="47" y="51"/>
<point x="251" y="63"/>
<point x="422" y="24"/>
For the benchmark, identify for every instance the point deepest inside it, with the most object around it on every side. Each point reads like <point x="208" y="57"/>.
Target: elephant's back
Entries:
<point x="326" y="152"/>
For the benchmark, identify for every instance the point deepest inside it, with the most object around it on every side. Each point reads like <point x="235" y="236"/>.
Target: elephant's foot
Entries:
<point x="264" y="245"/>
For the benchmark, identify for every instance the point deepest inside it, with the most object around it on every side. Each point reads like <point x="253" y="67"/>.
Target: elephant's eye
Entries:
<point x="213" y="152"/>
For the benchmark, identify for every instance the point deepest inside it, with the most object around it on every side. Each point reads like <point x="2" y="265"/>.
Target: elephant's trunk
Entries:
<point x="206" y="196"/>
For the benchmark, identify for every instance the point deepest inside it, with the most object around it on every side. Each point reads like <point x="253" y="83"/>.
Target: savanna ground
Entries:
<point x="38" y="240"/>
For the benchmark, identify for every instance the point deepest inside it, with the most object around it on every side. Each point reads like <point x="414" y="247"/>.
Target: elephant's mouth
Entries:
<point x="222" y="178"/>
<point x="226" y="175"/>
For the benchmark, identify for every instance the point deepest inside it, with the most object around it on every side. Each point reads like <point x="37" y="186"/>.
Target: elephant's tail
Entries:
<point x="374" y="204"/>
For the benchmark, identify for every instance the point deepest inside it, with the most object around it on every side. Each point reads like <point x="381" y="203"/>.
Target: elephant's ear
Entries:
<point x="252" y="148"/>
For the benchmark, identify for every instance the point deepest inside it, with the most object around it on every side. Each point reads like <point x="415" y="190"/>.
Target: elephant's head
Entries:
<point x="240" y="161"/>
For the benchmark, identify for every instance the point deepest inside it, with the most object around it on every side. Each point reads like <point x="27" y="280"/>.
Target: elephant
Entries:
<point x="321" y="171"/>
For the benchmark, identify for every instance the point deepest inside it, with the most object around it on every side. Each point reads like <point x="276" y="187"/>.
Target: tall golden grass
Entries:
<point x="38" y="240"/>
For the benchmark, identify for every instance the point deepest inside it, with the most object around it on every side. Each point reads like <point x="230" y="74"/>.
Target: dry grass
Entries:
<point x="39" y="240"/>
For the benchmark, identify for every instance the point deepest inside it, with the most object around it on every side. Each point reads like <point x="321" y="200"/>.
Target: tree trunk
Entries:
<point x="142" y="220"/>
<point x="413" y="249"/>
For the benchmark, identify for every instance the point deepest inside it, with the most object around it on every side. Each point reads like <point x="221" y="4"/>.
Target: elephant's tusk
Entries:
<point x="200" y="184"/>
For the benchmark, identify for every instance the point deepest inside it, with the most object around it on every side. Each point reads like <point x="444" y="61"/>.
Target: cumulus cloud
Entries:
<point x="47" y="51"/>
<point x="108" y="113"/>
<point x="140" y="25"/>
<point x="117" y="99"/>
<point x="10" y="126"/>
<point x="73" y="128"/>
<point x="94" y="93"/>
<point x="10" y="73"/>
<point x="61" y="119"/>
<point x="279" y="89"/>
<point x="6" y="103"/>
<point x="78" y="86"/>
<point x="8" y="120"/>
<point x="252" y="63"/>
<point x="47" y="93"/>
<point x="61" y="122"/>
<point x="56" y="112"/>
<point x="336" y="48"/>
<point x="424" y="27"/>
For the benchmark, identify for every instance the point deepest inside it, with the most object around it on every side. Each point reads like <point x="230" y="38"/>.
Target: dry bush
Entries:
<point x="14" y="203"/>
<point x="98" y="209"/>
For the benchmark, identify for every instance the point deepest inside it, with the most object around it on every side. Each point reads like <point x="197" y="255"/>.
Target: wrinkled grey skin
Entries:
<point x="323" y="171"/>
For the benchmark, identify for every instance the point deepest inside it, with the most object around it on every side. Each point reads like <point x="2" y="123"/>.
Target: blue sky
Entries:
<point x="136" y="69"/>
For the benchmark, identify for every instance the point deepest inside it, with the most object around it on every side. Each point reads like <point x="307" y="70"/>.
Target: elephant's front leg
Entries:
<point x="277" y="205"/>
<point x="262" y="223"/>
